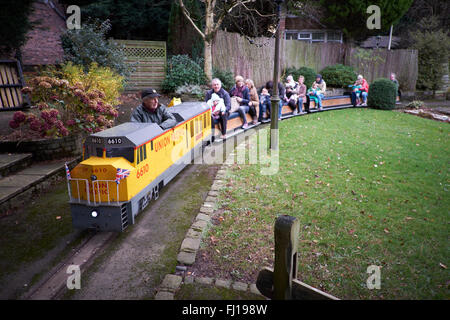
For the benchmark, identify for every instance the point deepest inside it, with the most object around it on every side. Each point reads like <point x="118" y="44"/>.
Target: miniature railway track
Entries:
<point x="54" y="284"/>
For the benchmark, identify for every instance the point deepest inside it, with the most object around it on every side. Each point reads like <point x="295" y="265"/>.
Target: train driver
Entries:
<point x="150" y="110"/>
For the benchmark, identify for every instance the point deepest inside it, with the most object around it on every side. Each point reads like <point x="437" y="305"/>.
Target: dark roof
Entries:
<point x="132" y="134"/>
<point x="135" y="133"/>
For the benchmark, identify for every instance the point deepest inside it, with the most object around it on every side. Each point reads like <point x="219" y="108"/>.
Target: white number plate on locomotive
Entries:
<point x="114" y="141"/>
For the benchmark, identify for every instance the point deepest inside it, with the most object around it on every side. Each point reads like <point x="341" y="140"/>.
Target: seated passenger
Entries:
<point x="241" y="93"/>
<point x="264" y="103"/>
<point x="320" y="90"/>
<point x="301" y="94"/>
<point x="356" y="93"/>
<point x="217" y="106"/>
<point x="267" y="106"/>
<point x="254" y="100"/>
<point x="217" y="89"/>
<point x="313" y="92"/>
<point x="360" y="89"/>
<point x="291" y="92"/>
<point x="151" y="111"/>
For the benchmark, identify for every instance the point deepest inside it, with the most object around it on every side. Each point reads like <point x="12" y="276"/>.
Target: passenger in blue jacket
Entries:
<point x="242" y="94"/>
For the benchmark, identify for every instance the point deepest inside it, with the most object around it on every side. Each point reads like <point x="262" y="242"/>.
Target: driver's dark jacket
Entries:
<point x="161" y="116"/>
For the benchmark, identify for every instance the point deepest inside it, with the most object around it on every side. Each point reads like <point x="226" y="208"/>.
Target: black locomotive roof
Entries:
<point x="132" y="134"/>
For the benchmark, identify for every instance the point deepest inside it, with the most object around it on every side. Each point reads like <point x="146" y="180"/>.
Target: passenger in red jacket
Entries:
<point x="363" y="91"/>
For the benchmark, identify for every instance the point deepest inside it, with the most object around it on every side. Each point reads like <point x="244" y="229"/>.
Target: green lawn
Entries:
<point x="369" y="187"/>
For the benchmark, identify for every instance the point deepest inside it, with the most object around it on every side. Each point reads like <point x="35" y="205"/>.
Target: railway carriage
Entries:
<point x="124" y="167"/>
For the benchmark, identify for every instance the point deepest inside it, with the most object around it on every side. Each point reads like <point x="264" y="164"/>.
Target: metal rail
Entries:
<point x="96" y="194"/>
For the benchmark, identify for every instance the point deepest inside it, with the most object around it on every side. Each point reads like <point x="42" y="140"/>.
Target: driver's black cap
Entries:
<point x="149" y="93"/>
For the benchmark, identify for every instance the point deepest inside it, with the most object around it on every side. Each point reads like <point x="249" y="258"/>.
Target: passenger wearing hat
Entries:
<point x="151" y="111"/>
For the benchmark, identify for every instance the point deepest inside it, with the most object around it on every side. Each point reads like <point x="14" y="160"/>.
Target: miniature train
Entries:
<point x="124" y="167"/>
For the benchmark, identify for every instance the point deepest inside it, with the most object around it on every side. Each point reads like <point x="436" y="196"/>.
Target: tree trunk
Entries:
<point x="208" y="60"/>
<point x="208" y="39"/>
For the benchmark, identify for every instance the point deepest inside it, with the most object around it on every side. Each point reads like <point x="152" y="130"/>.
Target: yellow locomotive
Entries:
<point x="124" y="167"/>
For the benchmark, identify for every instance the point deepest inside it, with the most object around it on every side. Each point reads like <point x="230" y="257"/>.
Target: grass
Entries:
<point x="369" y="187"/>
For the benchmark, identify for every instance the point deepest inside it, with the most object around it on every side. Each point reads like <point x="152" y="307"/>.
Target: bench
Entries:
<point x="328" y="103"/>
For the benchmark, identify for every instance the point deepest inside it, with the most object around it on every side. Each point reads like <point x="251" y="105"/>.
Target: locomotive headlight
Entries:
<point x="94" y="214"/>
<point x="93" y="177"/>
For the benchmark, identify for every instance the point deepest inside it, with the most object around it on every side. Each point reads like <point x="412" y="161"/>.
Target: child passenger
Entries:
<point x="217" y="106"/>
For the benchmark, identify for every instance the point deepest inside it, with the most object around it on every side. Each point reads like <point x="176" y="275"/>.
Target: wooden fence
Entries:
<point x="149" y="61"/>
<point x="234" y="52"/>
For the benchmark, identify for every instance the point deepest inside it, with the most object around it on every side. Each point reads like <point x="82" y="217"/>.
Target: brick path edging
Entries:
<point x="172" y="283"/>
<point x="191" y="244"/>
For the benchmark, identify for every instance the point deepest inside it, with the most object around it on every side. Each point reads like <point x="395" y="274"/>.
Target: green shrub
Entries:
<point x="382" y="94"/>
<point x="226" y="77"/>
<point x="338" y="76"/>
<point x="308" y="73"/>
<point x="182" y="70"/>
<point x="89" y="44"/>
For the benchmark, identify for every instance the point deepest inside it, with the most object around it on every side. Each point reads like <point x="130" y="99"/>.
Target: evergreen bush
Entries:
<point x="433" y="45"/>
<point x="89" y="44"/>
<point x="382" y="94"/>
<point x="226" y="77"/>
<point x="338" y="76"/>
<point x="182" y="70"/>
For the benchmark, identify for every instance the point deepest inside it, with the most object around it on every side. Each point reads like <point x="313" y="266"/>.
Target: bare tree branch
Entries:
<point x="226" y="12"/>
<point x="188" y="16"/>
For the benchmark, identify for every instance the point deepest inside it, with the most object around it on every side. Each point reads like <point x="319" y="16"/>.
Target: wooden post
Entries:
<point x="280" y="283"/>
<point x="286" y="234"/>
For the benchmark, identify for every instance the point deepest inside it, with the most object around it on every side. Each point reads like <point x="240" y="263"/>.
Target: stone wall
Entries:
<point x="47" y="149"/>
